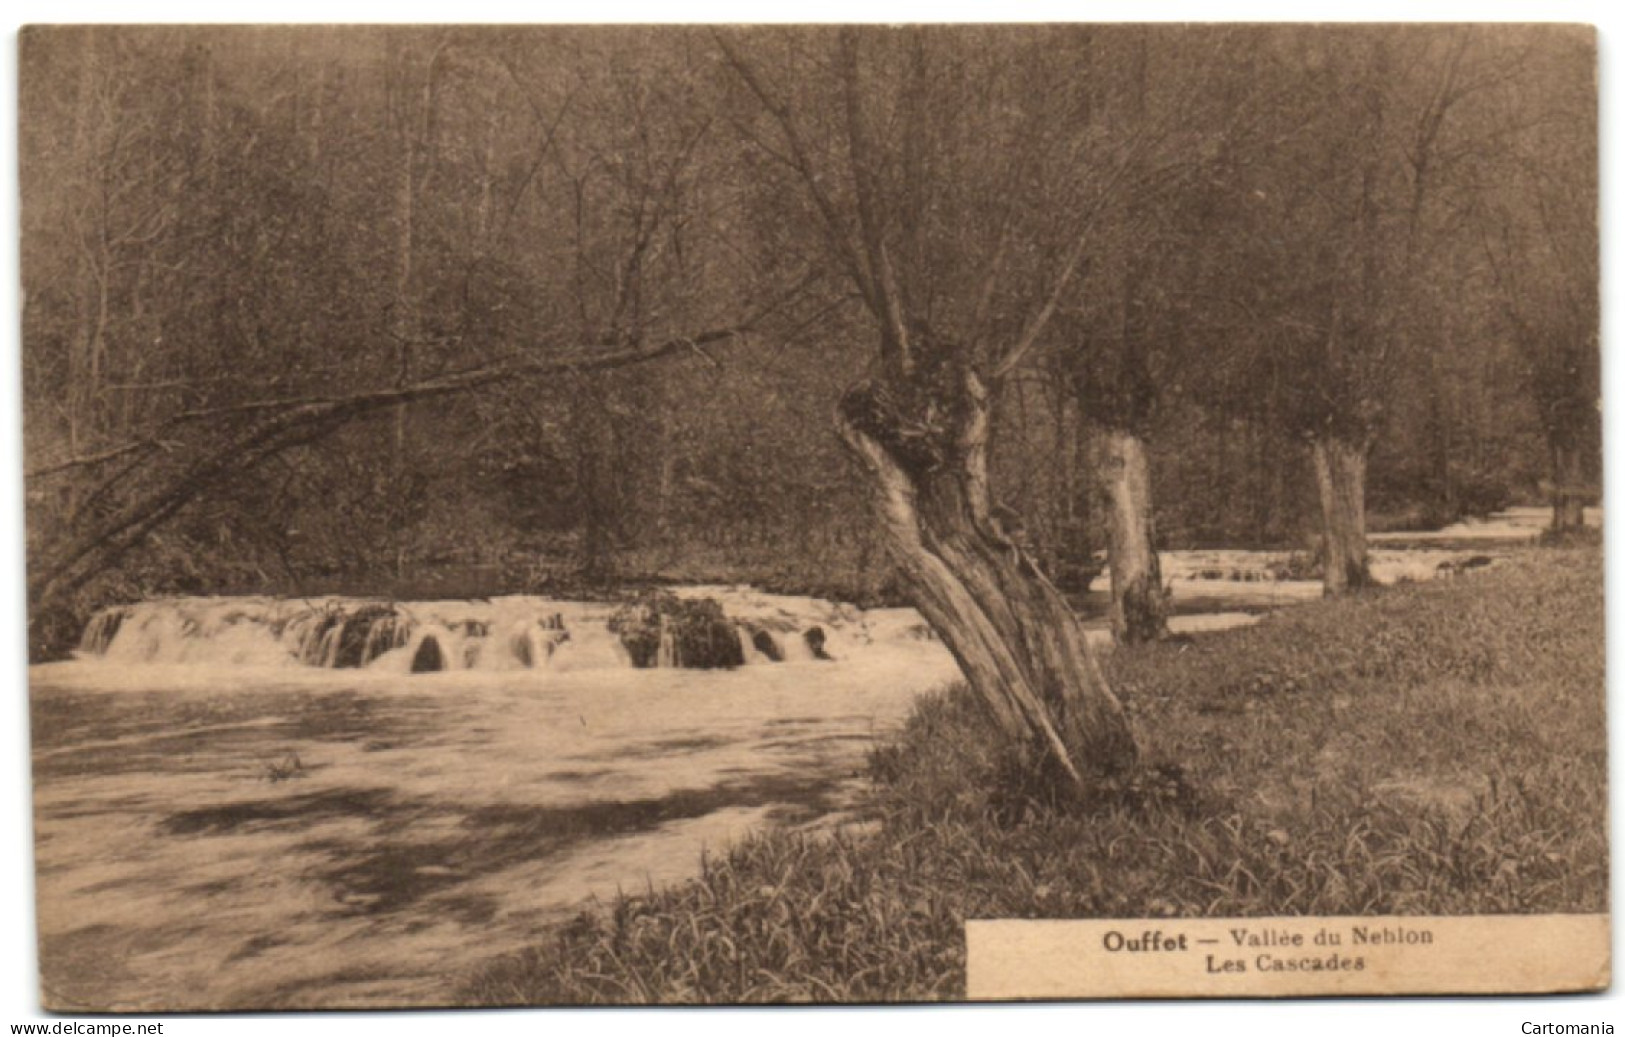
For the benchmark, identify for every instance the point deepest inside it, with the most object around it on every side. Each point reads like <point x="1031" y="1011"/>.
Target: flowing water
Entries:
<point x="261" y="802"/>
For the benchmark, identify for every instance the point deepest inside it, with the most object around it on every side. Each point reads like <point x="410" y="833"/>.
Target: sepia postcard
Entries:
<point x="541" y="515"/>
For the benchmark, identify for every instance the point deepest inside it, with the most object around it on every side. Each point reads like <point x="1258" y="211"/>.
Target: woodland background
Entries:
<point x="458" y="311"/>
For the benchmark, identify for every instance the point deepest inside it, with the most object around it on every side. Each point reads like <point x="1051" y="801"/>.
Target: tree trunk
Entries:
<point x="86" y="162"/>
<point x="1568" y="488"/>
<point x="1340" y="471"/>
<point x="1139" y="600"/>
<point x="405" y="315"/>
<point x="1014" y="636"/>
<point x="595" y="477"/>
<point x="1440" y="429"/>
<point x="1263" y="474"/>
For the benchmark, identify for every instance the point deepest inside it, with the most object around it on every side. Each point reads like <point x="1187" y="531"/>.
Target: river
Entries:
<point x="222" y="822"/>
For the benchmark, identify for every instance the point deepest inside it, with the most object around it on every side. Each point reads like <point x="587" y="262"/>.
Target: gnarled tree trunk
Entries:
<point x="1139" y="600"/>
<point x="1340" y="472"/>
<point x="1015" y="637"/>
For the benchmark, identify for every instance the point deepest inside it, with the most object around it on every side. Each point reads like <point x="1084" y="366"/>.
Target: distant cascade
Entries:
<point x="659" y="630"/>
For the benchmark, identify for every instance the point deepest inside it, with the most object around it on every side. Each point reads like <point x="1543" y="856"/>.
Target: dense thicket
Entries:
<point x="470" y="310"/>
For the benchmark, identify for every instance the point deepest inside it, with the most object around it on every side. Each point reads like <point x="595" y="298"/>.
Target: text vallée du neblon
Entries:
<point x="1275" y="950"/>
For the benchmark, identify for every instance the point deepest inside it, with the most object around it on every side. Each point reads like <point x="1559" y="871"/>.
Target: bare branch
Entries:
<point x="800" y="162"/>
<point x="89" y="460"/>
<point x="861" y="157"/>
<point x="1069" y="267"/>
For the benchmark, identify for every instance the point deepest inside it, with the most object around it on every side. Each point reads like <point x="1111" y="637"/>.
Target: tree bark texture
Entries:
<point x="1139" y="600"/>
<point x="1013" y="634"/>
<point x="1340" y="472"/>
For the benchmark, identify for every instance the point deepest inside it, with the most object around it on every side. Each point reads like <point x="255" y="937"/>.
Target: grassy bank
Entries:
<point x="1429" y="749"/>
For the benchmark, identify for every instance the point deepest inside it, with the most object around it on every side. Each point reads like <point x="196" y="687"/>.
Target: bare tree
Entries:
<point x="281" y="338"/>
<point x="1179" y="116"/>
<point x="1352" y="196"/>
<point x="921" y="157"/>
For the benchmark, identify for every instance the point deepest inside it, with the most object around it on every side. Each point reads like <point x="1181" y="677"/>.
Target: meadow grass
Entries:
<point x="1426" y="749"/>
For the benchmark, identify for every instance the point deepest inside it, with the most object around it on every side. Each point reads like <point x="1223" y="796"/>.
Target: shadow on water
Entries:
<point x="298" y="811"/>
<point x="386" y="877"/>
<point x="155" y="732"/>
<point x="374" y="876"/>
<point x="663" y="747"/>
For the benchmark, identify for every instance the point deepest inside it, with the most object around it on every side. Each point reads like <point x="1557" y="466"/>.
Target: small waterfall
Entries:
<point x="666" y="655"/>
<point x="387" y="634"/>
<point x="101" y="630"/>
<point x="208" y="630"/>
<point x="503" y="634"/>
<point x="750" y="647"/>
<point x="590" y="646"/>
<point x="795" y="648"/>
<point x="533" y="643"/>
<point x="351" y="635"/>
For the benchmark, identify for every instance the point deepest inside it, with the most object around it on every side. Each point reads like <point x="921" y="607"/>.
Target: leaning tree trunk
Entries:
<point x="1139" y="600"/>
<point x="1568" y="490"/>
<point x="1014" y="636"/>
<point x="1340" y="471"/>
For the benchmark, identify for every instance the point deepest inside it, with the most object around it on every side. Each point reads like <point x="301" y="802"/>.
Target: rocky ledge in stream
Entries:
<point x="660" y="628"/>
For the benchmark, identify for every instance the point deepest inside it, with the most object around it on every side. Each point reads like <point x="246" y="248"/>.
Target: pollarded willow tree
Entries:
<point x="1347" y="208"/>
<point x="953" y="179"/>
<point x="1112" y="349"/>
<point x="1122" y="319"/>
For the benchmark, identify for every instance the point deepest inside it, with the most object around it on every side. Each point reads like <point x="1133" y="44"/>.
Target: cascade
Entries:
<point x="508" y="633"/>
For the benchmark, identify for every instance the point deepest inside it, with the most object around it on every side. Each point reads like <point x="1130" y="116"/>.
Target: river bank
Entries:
<point x="1432" y="749"/>
<point x="227" y="819"/>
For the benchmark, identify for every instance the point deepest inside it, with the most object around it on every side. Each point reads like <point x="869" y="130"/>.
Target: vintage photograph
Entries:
<point x="539" y="515"/>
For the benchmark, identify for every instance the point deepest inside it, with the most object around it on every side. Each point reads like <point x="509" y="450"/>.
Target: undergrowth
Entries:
<point x="1430" y="749"/>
